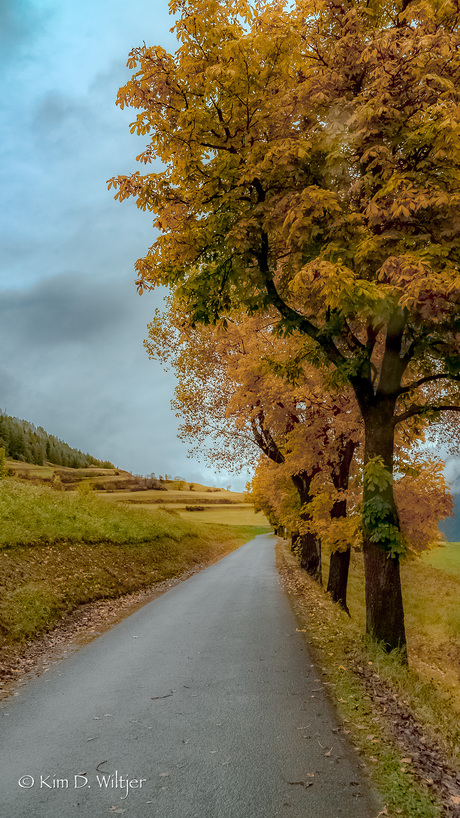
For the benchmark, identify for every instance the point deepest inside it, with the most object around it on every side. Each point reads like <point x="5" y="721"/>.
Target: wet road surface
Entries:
<point x="203" y="703"/>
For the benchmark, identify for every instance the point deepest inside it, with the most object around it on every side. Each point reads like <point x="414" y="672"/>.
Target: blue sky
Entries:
<point x="71" y="321"/>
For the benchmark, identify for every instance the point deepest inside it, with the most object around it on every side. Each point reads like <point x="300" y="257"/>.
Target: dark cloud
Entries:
<point x="69" y="308"/>
<point x="10" y="388"/>
<point x="73" y="362"/>
<point x="16" y="19"/>
<point x="53" y="110"/>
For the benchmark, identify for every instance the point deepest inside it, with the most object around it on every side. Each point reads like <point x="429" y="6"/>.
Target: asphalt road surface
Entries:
<point x="202" y="704"/>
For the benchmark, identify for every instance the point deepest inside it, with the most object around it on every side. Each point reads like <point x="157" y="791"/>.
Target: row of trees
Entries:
<point x="311" y="161"/>
<point x="22" y="440"/>
<point x="236" y="406"/>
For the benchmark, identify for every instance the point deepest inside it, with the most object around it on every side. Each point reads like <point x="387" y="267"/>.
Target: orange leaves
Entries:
<point x="316" y="136"/>
<point x="423" y="499"/>
<point x="311" y="162"/>
<point x="417" y="286"/>
<point x="306" y="209"/>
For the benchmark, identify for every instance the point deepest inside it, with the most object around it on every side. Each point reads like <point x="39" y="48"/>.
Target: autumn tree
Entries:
<point x="232" y="396"/>
<point x="311" y="164"/>
<point x="273" y="493"/>
<point x="421" y="493"/>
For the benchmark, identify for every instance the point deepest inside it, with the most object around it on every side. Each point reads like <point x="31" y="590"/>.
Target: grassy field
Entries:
<point x="121" y="485"/>
<point x="29" y="470"/>
<point x="196" y="496"/>
<point x="432" y="615"/>
<point x="445" y="558"/>
<point x="33" y="471"/>
<point x="59" y="550"/>
<point x="431" y="589"/>
<point x="231" y="515"/>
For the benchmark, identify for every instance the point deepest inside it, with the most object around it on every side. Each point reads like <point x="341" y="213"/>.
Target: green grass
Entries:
<point x="234" y="515"/>
<point x="58" y="551"/>
<point x="240" y="515"/>
<point x="33" y="515"/>
<point x="446" y="558"/>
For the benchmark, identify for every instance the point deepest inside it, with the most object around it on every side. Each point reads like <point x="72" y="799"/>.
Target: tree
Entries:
<point x="273" y="493"/>
<point x="421" y="494"/>
<point x="312" y="165"/>
<point x="422" y="499"/>
<point x="229" y="389"/>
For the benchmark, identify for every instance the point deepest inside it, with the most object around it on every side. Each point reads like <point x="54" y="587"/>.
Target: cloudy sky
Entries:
<point x="71" y="321"/>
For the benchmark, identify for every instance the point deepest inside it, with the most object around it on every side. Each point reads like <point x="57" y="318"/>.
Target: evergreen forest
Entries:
<point x="23" y="441"/>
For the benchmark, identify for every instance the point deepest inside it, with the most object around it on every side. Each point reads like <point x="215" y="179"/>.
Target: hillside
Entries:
<point x="27" y="443"/>
<point x="40" y="459"/>
<point x="67" y="478"/>
<point x="122" y="484"/>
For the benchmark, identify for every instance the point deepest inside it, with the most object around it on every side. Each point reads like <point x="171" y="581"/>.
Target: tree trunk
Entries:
<point x="280" y="531"/>
<point x="308" y="544"/>
<point x="310" y="555"/>
<point x="340" y="560"/>
<point x="338" y="577"/>
<point x="384" y="604"/>
<point x="308" y="548"/>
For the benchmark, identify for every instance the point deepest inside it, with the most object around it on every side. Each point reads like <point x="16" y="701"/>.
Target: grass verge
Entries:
<point x="58" y="552"/>
<point x="401" y="725"/>
<point x="431" y="590"/>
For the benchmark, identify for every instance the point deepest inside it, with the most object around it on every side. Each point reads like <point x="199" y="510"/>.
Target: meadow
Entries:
<point x="431" y="588"/>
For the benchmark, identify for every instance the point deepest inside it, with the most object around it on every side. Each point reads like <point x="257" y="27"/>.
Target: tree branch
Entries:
<point x="428" y="379"/>
<point x="419" y="410"/>
<point x="302" y="323"/>
<point x="264" y="439"/>
<point x="351" y="339"/>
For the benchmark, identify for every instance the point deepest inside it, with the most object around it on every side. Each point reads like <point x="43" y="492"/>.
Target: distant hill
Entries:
<point x="122" y="485"/>
<point x="31" y="444"/>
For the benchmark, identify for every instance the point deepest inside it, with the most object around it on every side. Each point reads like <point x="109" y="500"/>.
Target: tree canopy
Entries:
<point x="311" y="165"/>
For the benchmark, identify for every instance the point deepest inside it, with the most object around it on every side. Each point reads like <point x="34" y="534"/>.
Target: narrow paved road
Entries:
<point x="205" y="701"/>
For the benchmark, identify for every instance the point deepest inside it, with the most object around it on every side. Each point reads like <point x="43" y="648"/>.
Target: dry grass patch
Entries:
<point x="432" y="614"/>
